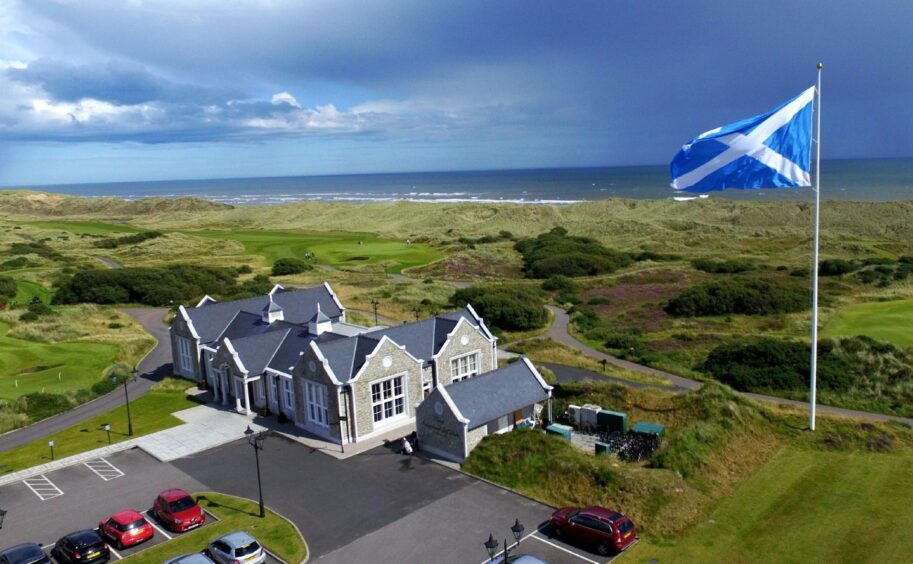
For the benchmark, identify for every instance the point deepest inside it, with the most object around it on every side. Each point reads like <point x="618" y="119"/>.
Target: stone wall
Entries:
<point x="466" y="339"/>
<point x="179" y="328"/>
<point x="439" y="431"/>
<point x="386" y="361"/>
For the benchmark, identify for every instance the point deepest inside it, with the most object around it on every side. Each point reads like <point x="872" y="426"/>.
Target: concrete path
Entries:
<point x="155" y="366"/>
<point x="559" y="332"/>
<point x="205" y="427"/>
<point x="110" y="262"/>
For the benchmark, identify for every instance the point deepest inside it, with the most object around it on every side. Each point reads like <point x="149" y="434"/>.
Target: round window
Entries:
<point x="388" y="361"/>
<point x="312" y="366"/>
<point x="464" y="340"/>
<point x="439" y="408"/>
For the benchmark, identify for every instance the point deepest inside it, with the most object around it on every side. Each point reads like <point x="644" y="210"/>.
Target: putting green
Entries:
<point x="886" y="321"/>
<point x="805" y="506"/>
<point x="28" y="366"/>
<point x="334" y="248"/>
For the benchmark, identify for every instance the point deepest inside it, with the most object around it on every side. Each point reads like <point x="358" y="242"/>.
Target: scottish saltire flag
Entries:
<point x="772" y="150"/>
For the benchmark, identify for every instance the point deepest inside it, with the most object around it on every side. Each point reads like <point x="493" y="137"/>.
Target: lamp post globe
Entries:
<point x="491" y="545"/>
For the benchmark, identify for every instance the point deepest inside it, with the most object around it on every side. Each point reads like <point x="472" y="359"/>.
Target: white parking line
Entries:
<point x="105" y="470"/>
<point x="114" y="552"/>
<point x="151" y="521"/>
<point x="43" y="488"/>
<point x="540" y="539"/>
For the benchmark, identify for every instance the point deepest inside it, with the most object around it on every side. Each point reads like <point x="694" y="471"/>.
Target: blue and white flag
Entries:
<point x="772" y="150"/>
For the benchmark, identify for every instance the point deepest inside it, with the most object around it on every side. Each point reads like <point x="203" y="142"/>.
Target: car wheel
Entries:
<point x="602" y="549"/>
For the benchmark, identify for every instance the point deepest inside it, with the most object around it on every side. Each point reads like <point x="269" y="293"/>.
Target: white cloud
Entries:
<point x="284" y="97"/>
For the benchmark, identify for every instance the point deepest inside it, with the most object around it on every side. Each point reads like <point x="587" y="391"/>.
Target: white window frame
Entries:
<point x="387" y="395"/>
<point x="458" y="372"/>
<point x="274" y="388"/>
<point x="288" y="394"/>
<point x="316" y="403"/>
<point x="185" y="353"/>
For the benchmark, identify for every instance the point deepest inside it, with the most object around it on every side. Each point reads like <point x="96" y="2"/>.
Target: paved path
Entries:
<point x="559" y="332"/>
<point x="155" y="366"/>
<point x="110" y="262"/>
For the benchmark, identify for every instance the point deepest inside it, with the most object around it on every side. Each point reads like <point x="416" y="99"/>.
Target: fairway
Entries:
<point x="339" y="249"/>
<point x="886" y="321"/>
<point x="52" y="368"/>
<point x="806" y="506"/>
<point x="26" y="290"/>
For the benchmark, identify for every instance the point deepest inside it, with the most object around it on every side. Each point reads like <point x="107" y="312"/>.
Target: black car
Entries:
<point x="28" y="553"/>
<point x="81" y="547"/>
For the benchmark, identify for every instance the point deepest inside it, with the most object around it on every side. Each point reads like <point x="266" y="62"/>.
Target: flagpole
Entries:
<point x="813" y="385"/>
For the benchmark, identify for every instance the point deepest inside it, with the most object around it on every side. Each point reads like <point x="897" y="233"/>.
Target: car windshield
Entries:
<point x="135" y="525"/>
<point x="247" y="549"/>
<point x="624" y="526"/>
<point x="181" y="504"/>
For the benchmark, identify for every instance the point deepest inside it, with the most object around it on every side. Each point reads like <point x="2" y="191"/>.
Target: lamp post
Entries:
<point x="2" y="517"/>
<point x="51" y="444"/>
<point x="127" y="398"/>
<point x="256" y="440"/>
<point x="417" y="312"/>
<point x="491" y="545"/>
<point x="604" y="362"/>
<point x="375" y="304"/>
<point x="108" y="430"/>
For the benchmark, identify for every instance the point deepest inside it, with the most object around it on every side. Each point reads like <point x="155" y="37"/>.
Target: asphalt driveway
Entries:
<point x="379" y="506"/>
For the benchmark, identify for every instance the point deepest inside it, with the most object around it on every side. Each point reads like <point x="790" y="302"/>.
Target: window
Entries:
<point x="316" y="395"/>
<point x="185" y="354"/>
<point x="463" y="367"/>
<point x="388" y="398"/>
<point x="274" y="388"/>
<point x="289" y="392"/>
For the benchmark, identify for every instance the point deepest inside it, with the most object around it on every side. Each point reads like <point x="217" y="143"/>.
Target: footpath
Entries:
<point x="559" y="332"/>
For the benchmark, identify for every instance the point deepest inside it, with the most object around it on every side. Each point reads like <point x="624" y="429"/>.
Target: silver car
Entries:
<point x="237" y="548"/>
<point x="192" y="558"/>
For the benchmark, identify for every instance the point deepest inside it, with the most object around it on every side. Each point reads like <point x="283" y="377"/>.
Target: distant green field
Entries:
<point x="886" y="321"/>
<point x="805" y="506"/>
<point x="26" y="290"/>
<point x="338" y="249"/>
<point x="53" y="368"/>
<point x="85" y="227"/>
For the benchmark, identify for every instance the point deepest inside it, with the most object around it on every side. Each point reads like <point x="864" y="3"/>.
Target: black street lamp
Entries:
<point x="108" y="430"/>
<point x="491" y="545"/>
<point x="375" y="304"/>
<point x="256" y="441"/>
<point x="2" y="517"/>
<point x="51" y="444"/>
<point x="127" y="398"/>
<point x="417" y="312"/>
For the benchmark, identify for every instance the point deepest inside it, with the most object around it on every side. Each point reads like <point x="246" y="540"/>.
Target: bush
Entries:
<point x="127" y="240"/>
<point x="730" y="266"/>
<point x="509" y="308"/>
<point x="155" y="286"/>
<point x="559" y="283"/>
<point x="245" y="269"/>
<point x="557" y="253"/>
<point x="286" y="266"/>
<point x="7" y="289"/>
<point x="751" y="296"/>
<point x="837" y="267"/>
<point x="41" y="405"/>
<point x="18" y="262"/>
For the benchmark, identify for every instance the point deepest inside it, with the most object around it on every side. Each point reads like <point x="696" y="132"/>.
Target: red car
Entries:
<point x="608" y="530"/>
<point x="177" y="510"/>
<point x="126" y="528"/>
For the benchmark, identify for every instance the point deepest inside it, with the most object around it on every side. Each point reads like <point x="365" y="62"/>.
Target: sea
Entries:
<point x="860" y="180"/>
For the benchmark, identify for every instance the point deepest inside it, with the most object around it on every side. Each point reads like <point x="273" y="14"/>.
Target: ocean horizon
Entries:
<point x="861" y="180"/>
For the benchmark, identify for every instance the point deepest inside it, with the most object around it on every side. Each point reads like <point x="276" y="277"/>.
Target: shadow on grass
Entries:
<point x="208" y="503"/>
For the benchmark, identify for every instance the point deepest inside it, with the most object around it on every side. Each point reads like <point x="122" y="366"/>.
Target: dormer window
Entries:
<point x="272" y="312"/>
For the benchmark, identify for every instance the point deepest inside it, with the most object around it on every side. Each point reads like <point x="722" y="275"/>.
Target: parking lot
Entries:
<point x="379" y="506"/>
<point x="44" y="508"/>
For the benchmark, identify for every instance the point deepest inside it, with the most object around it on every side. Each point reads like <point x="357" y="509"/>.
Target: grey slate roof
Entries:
<point x="295" y="342"/>
<point x="347" y="355"/>
<point x="500" y="392"/>
<point x="319" y="317"/>
<point x="423" y="339"/>
<point x="299" y="306"/>
<point x="257" y="350"/>
<point x="271" y="306"/>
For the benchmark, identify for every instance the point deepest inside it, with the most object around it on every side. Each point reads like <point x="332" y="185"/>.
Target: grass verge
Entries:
<point x="234" y="513"/>
<point x="150" y="413"/>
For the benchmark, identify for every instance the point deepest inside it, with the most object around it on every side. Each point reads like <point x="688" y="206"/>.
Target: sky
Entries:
<point x="118" y="90"/>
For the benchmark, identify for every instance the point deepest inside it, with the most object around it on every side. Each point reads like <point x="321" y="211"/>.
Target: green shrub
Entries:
<point x="729" y="266"/>
<point x="557" y="253"/>
<point x="286" y="266"/>
<point x="509" y="308"/>
<point x="7" y="289"/>
<point x="559" y="283"/>
<point x="837" y="267"/>
<point x="113" y="243"/>
<point x="599" y="300"/>
<point x="41" y="405"/>
<point x="245" y="269"/>
<point x="18" y="262"/>
<point x="749" y="296"/>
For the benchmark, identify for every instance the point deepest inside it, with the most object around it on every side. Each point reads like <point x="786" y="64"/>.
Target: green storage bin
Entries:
<point x="561" y="430"/>
<point x="649" y="428"/>
<point x="609" y="421"/>
<point x="602" y="449"/>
